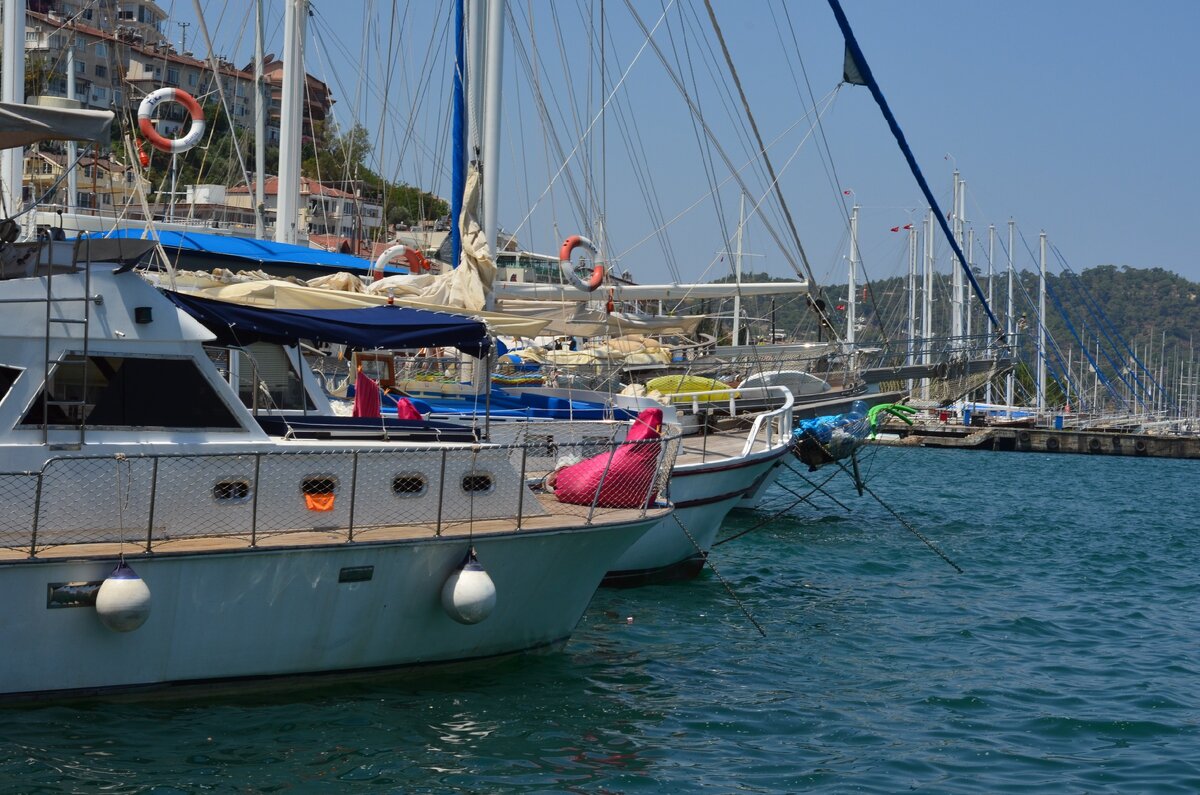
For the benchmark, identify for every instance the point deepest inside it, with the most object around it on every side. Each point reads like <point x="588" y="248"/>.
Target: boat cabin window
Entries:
<point x="8" y="377"/>
<point x="128" y="392"/>
<point x="477" y="483"/>
<point x="274" y="367"/>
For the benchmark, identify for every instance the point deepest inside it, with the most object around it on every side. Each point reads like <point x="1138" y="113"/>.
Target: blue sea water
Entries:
<point x="1065" y="658"/>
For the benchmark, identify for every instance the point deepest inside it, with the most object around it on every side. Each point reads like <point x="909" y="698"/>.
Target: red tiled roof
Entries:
<point x="309" y="186"/>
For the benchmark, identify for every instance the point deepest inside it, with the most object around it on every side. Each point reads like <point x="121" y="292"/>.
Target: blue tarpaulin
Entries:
<point x="250" y="250"/>
<point x="366" y="328"/>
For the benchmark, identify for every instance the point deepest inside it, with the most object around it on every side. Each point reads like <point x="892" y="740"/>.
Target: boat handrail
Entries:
<point x="148" y="501"/>
<point x="776" y="422"/>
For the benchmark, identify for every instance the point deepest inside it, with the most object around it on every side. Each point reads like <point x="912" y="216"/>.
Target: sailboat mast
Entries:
<point x="1008" y="321"/>
<point x="12" y="89"/>
<point x="852" y="284"/>
<point x="737" y="275"/>
<point x="72" y="146"/>
<point x="927" y="310"/>
<point x="956" y="330"/>
<point x="490" y="155"/>
<point x="260" y="125"/>
<point x="458" y="158"/>
<point x="912" y="297"/>
<point x="295" y="21"/>
<point x="1041" y="321"/>
<point x="991" y="258"/>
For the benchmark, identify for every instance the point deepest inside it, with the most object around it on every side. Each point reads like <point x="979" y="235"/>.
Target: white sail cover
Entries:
<point x="465" y="287"/>
<point x="21" y="125"/>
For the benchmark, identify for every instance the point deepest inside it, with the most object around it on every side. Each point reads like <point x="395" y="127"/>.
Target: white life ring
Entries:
<point x="416" y="260"/>
<point x="170" y="145"/>
<point x="568" y="270"/>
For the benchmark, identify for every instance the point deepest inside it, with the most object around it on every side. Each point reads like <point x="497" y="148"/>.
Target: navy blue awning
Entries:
<point x="365" y="329"/>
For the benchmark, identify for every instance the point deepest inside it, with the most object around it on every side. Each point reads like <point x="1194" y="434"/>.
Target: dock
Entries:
<point x="1043" y="440"/>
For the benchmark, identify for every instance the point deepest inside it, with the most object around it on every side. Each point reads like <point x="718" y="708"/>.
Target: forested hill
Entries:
<point x="1141" y="305"/>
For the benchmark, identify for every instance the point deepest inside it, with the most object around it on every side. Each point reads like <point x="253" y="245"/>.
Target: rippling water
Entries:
<point x="1066" y="658"/>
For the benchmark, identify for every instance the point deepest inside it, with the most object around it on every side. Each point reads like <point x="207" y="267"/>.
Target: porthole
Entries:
<point x="409" y="485"/>
<point x="477" y="483"/>
<point x="319" y="484"/>
<point x="226" y="491"/>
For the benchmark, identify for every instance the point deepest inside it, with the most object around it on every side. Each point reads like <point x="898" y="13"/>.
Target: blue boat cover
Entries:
<point x="251" y="250"/>
<point x="364" y="329"/>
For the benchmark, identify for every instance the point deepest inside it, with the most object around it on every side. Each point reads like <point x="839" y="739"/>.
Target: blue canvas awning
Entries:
<point x="364" y="329"/>
<point x="249" y="251"/>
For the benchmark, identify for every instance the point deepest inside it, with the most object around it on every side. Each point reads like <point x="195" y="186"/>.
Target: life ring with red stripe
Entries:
<point x="170" y="145"/>
<point x="415" y="260"/>
<point x="568" y="270"/>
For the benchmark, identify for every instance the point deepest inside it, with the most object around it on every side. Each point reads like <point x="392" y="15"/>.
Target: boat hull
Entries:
<point x="703" y="494"/>
<point x="274" y="612"/>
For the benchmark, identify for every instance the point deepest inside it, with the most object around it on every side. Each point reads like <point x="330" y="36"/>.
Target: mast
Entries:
<point x="737" y="275"/>
<point x="956" y="329"/>
<point x="991" y="258"/>
<point x="1008" y="322"/>
<point x="912" y="298"/>
<point x="72" y="147"/>
<point x="1041" y="320"/>
<point x="12" y="89"/>
<point x="260" y="124"/>
<point x="927" y="310"/>
<point x="852" y="284"/>
<point x="494" y="71"/>
<point x="458" y="156"/>
<point x="295" y="21"/>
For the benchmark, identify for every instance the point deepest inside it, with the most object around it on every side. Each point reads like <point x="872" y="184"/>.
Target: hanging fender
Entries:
<point x="170" y="145"/>
<point x="564" y="264"/>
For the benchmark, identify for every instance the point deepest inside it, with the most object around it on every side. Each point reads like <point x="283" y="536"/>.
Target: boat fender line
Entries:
<point x="170" y="145"/>
<point x="123" y="601"/>
<point x="469" y="595"/>
<point x="564" y="264"/>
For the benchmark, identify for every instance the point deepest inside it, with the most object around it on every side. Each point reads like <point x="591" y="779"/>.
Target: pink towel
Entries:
<point x="405" y="410"/>
<point x="366" y="396"/>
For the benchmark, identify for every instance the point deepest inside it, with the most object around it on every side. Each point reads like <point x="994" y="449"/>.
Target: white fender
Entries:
<point x="469" y="595"/>
<point x="123" y="601"/>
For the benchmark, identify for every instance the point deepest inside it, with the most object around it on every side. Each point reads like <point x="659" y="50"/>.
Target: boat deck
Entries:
<point x="715" y="446"/>
<point x="558" y="516"/>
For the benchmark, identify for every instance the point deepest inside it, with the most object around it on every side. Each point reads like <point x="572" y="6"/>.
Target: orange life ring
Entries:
<point x="170" y="145"/>
<point x="568" y="270"/>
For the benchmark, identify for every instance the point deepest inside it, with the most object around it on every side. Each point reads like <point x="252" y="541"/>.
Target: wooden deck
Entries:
<point x="558" y="516"/>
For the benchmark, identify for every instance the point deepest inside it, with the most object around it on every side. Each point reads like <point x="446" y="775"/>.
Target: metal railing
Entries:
<point x="146" y="502"/>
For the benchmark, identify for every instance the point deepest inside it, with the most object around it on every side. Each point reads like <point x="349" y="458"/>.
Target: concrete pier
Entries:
<point x="1046" y="440"/>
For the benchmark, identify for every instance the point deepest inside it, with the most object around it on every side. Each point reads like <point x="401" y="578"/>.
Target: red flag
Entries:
<point x="847" y="192"/>
<point x="908" y="226"/>
<point x="841" y="307"/>
<point x="897" y="229"/>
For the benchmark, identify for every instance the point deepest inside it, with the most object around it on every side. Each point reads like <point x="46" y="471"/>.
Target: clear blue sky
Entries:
<point x="1077" y="117"/>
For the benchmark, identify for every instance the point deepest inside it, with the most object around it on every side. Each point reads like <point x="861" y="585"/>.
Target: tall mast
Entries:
<point x="458" y="132"/>
<point x="260" y="125"/>
<point x="737" y="275"/>
<point x="927" y="310"/>
<point x="72" y="147"/>
<point x="1008" y="320"/>
<point x="1041" y="321"/>
<point x="852" y="284"/>
<point x="912" y="298"/>
<point x="12" y="89"/>
<point x="295" y="21"/>
<point x="494" y="71"/>
<point x="956" y="330"/>
<point x="991" y="258"/>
